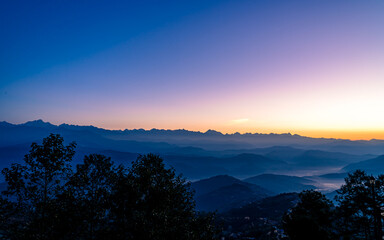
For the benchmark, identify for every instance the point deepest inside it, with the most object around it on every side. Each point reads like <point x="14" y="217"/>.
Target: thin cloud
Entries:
<point x="240" y="121"/>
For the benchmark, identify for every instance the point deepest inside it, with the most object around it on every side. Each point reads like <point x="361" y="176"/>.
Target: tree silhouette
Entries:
<point x="164" y="207"/>
<point x="33" y="187"/>
<point x="361" y="199"/>
<point x="46" y="199"/>
<point x="88" y="191"/>
<point x="311" y="218"/>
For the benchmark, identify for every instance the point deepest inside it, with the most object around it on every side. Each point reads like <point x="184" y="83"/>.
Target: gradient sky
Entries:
<point x="314" y="68"/>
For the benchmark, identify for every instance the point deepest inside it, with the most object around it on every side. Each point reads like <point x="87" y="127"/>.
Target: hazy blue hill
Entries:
<point x="213" y="183"/>
<point x="373" y="166"/>
<point x="242" y="165"/>
<point x="284" y="153"/>
<point x="301" y="158"/>
<point x="358" y="147"/>
<point x="259" y="151"/>
<point x="197" y="167"/>
<point x="192" y="167"/>
<point x="225" y="192"/>
<point x="249" y="158"/>
<point x="194" y="154"/>
<point x="249" y="164"/>
<point x="192" y="151"/>
<point x="326" y="159"/>
<point x="281" y="183"/>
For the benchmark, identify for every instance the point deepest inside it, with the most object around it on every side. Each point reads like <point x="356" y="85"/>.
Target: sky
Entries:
<point x="314" y="68"/>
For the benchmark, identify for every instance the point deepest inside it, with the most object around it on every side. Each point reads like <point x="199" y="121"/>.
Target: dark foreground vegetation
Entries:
<point x="48" y="198"/>
<point x="358" y="213"/>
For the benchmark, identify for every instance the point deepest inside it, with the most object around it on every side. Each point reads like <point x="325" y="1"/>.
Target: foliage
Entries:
<point x="33" y="187"/>
<point x="361" y="199"/>
<point x="45" y="199"/>
<point x="152" y="202"/>
<point x="311" y="218"/>
<point x="358" y="214"/>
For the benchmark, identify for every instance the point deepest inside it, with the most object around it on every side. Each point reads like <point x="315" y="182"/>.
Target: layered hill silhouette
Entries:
<point x="198" y="155"/>
<point x="242" y="176"/>
<point x="210" y="140"/>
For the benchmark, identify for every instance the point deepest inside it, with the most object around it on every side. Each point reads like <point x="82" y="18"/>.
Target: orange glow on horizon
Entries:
<point x="336" y="134"/>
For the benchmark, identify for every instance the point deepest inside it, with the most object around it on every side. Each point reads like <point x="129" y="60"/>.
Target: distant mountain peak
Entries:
<point x="72" y="126"/>
<point x="5" y="124"/>
<point x="38" y="123"/>
<point x="213" y="133"/>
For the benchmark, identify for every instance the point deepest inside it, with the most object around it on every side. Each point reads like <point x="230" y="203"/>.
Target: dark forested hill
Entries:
<point x="225" y="192"/>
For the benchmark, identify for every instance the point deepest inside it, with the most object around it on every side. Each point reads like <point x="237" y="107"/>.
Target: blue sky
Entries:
<point x="308" y="67"/>
<point x="37" y="35"/>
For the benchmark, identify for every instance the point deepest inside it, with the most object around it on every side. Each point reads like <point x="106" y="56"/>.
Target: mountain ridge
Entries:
<point x="42" y="123"/>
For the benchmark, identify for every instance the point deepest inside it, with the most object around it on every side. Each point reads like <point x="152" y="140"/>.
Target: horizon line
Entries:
<point x="198" y="131"/>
